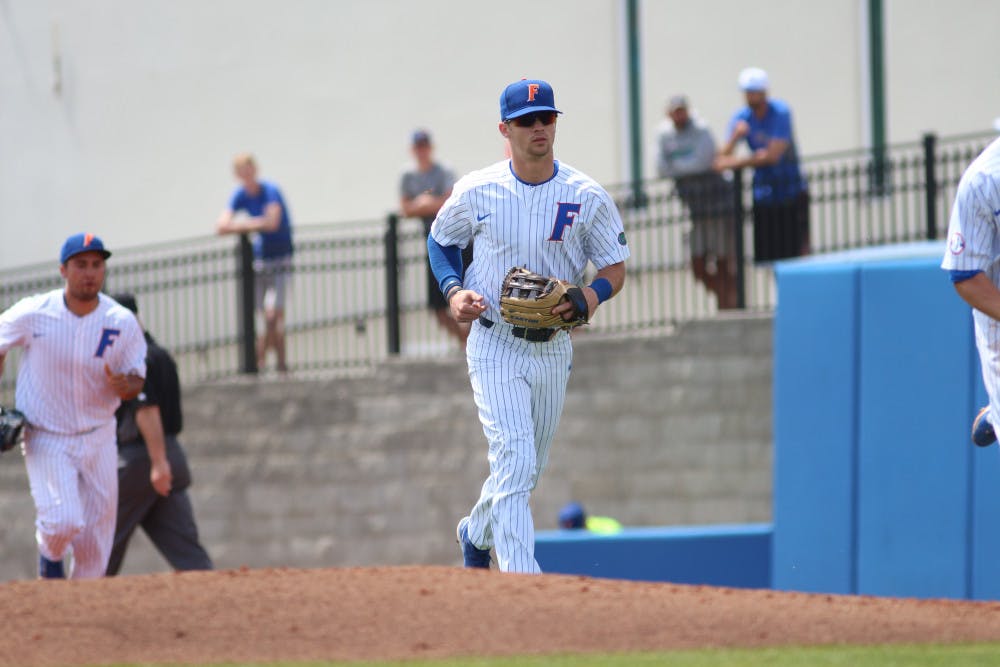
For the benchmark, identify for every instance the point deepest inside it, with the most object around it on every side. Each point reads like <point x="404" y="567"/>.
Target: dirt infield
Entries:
<point x="407" y="612"/>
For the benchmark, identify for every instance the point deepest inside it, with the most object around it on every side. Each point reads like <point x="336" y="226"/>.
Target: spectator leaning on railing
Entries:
<point x="268" y="216"/>
<point x="686" y="151"/>
<point x="780" y="195"/>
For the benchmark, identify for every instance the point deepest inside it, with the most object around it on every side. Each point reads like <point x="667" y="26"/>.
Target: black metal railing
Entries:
<point x="358" y="290"/>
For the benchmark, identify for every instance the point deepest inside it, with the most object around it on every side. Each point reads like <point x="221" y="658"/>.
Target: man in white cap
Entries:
<point x="780" y="195"/>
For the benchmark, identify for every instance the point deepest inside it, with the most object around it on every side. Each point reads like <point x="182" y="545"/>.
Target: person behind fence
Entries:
<point x="780" y="193"/>
<point x="153" y="472"/>
<point x="268" y="218"/>
<point x="83" y="354"/>
<point x="422" y="190"/>
<point x="686" y="153"/>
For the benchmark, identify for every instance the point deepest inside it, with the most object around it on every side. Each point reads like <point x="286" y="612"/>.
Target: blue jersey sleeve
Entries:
<point x="962" y="276"/>
<point x="446" y="264"/>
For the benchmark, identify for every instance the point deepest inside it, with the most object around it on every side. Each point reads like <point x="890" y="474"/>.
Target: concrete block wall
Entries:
<point x="376" y="470"/>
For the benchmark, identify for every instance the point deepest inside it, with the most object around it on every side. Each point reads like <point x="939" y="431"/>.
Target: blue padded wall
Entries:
<point x="716" y="555"/>
<point x="815" y="370"/>
<point x="914" y="454"/>
<point x="894" y="366"/>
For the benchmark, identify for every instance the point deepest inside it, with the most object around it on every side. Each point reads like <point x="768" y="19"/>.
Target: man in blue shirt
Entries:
<point x="267" y="216"/>
<point x="780" y="195"/>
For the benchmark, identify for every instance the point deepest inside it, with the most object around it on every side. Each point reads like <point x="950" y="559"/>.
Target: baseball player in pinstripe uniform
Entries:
<point x="536" y="212"/>
<point x="83" y="354"/>
<point x="973" y="260"/>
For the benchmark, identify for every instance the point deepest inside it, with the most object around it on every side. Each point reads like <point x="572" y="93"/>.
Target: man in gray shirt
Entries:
<point x="686" y="152"/>
<point x="422" y="191"/>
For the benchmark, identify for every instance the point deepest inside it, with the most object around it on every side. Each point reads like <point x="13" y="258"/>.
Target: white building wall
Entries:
<point x="120" y="116"/>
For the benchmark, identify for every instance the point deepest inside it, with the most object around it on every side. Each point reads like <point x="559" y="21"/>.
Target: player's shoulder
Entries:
<point x="115" y="313"/>
<point x="984" y="172"/>
<point x="35" y="303"/>
<point x="488" y="176"/>
<point x="579" y="181"/>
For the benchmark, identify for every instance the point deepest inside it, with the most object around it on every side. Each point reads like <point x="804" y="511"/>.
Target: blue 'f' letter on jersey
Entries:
<point x="107" y="340"/>
<point x="564" y="218"/>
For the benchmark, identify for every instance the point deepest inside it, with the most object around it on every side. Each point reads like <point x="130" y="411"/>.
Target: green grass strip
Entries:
<point x="910" y="655"/>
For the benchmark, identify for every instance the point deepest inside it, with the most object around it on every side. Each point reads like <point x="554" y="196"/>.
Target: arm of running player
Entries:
<point x="446" y="263"/>
<point x="608" y="282"/>
<point x="126" y="385"/>
<point x="150" y="424"/>
<point x="980" y="293"/>
<point x="268" y="222"/>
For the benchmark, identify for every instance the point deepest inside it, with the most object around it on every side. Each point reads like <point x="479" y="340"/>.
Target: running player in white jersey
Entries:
<point x="83" y="354"/>
<point x="536" y="212"/>
<point x="973" y="260"/>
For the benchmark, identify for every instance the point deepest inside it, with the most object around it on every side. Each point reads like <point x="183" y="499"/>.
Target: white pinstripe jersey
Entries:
<point x="552" y="228"/>
<point x="974" y="226"/>
<point x="61" y="382"/>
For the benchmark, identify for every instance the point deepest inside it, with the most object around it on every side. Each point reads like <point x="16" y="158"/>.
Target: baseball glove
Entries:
<point x="11" y="425"/>
<point x="527" y="300"/>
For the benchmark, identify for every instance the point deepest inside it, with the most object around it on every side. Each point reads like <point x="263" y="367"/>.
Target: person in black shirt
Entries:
<point x="153" y="473"/>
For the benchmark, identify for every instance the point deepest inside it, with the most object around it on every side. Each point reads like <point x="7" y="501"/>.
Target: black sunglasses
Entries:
<point x="528" y="119"/>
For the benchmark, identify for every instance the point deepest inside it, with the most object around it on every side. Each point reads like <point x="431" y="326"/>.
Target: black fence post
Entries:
<point x="245" y="296"/>
<point x="738" y="249"/>
<point x="930" y="191"/>
<point x="392" y="283"/>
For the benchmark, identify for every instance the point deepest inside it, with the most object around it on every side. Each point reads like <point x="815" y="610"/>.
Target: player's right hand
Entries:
<point x="467" y="305"/>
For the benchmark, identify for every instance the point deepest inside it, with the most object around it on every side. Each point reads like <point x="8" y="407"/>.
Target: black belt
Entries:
<point x="530" y="334"/>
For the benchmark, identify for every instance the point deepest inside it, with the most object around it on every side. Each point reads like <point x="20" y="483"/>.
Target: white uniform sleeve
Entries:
<point x="453" y="225"/>
<point x="972" y="231"/>
<point x="14" y="325"/>
<point x="606" y="243"/>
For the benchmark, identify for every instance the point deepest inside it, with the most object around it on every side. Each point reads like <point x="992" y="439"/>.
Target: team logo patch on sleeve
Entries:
<point x="956" y="244"/>
<point x="621" y="239"/>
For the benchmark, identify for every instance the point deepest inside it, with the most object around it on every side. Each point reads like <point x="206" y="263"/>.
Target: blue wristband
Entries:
<point x="451" y="284"/>
<point x="603" y="288"/>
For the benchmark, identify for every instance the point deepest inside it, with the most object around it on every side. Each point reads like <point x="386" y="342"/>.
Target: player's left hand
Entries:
<point x="127" y="386"/>
<point x="567" y="310"/>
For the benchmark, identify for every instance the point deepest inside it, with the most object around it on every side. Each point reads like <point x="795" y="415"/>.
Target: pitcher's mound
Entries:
<point x="407" y="612"/>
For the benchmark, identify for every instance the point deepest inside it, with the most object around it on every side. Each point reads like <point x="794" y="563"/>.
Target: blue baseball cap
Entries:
<point x="420" y="137"/>
<point x="79" y="243"/>
<point x="526" y="96"/>
<point x="572" y="515"/>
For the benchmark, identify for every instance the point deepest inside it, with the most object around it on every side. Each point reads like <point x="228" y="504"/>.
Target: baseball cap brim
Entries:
<point x="525" y="111"/>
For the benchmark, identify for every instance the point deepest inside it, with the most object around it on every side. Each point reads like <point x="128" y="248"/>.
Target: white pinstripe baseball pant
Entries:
<point x="74" y="482"/>
<point x="519" y="388"/>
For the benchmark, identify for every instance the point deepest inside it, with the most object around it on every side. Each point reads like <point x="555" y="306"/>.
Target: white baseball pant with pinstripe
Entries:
<point x="74" y="483"/>
<point x="519" y="388"/>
